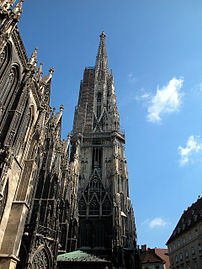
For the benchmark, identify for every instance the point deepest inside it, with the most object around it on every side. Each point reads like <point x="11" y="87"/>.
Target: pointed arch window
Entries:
<point x="8" y="87"/>
<point x="94" y="207"/>
<point x="41" y="260"/>
<point x="106" y="206"/>
<point x="99" y="100"/>
<point x="82" y="206"/>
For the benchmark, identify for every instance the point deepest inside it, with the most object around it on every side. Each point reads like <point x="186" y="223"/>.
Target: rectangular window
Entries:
<point x="186" y="253"/>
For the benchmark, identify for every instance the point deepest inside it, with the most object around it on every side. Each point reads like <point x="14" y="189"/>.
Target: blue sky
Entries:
<point x="155" y="51"/>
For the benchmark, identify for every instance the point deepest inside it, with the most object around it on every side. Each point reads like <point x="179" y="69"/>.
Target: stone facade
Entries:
<point x="42" y="178"/>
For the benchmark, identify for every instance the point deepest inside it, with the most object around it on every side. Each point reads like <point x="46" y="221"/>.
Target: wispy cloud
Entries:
<point x="131" y="78"/>
<point x="166" y="100"/>
<point x="155" y="222"/>
<point x="192" y="151"/>
<point x="200" y="87"/>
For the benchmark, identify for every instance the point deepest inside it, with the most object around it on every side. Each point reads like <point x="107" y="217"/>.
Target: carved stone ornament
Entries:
<point x="41" y="260"/>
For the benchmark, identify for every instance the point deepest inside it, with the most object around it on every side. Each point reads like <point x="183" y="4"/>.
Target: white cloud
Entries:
<point x="191" y="150"/>
<point x="166" y="100"/>
<point x="157" y="222"/>
<point x="145" y="96"/>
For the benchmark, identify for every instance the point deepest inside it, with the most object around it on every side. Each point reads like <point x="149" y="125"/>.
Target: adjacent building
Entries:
<point x="57" y="196"/>
<point x="156" y="258"/>
<point x="185" y="243"/>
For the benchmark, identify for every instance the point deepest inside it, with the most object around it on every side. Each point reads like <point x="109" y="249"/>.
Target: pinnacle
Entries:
<point x="103" y="35"/>
<point x="101" y="61"/>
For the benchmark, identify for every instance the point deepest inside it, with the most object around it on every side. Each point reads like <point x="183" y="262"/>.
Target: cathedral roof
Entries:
<point x="79" y="256"/>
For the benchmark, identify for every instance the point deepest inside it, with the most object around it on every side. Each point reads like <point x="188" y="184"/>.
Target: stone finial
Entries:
<point x="47" y="78"/>
<point x="51" y="71"/>
<point x="33" y="56"/>
<point x="18" y="8"/>
<point x="39" y="72"/>
<point x="61" y="108"/>
<point x="102" y="36"/>
<point x="35" y="64"/>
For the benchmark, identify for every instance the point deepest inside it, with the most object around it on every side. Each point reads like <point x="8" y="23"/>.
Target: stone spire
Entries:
<point x="101" y="59"/>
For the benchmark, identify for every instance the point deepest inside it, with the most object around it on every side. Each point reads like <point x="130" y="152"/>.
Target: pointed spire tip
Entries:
<point x="103" y="35"/>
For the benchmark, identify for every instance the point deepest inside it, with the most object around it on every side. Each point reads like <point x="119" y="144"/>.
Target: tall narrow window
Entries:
<point x="82" y="206"/>
<point x="7" y="86"/>
<point x="3" y="200"/>
<point x="97" y="158"/>
<point x="99" y="98"/>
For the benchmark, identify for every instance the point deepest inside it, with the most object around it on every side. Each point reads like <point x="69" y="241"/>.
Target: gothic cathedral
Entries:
<point x="58" y="196"/>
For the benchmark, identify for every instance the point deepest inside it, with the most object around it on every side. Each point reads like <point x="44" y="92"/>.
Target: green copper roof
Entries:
<point x="79" y="256"/>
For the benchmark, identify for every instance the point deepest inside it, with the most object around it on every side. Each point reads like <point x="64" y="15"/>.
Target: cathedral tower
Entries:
<point x="106" y="219"/>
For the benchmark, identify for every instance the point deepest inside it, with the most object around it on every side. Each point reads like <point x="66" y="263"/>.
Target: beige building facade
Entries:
<point x="185" y="243"/>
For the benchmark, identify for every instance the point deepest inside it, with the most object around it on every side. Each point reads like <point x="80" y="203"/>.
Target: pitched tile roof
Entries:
<point x="189" y="218"/>
<point x="149" y="256"/>
<point x="163" y="254"/>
